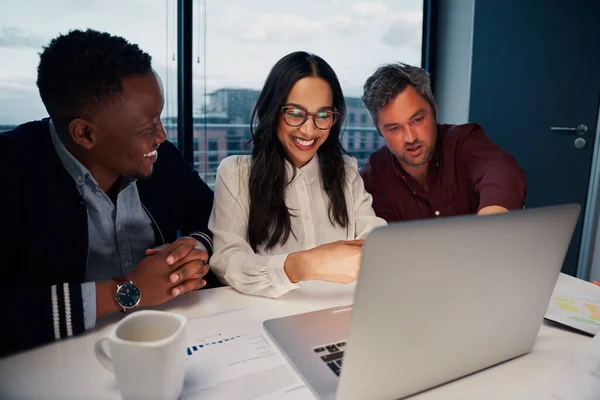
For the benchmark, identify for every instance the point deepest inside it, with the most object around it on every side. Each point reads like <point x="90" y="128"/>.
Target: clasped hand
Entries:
<point x="170" y="270"/>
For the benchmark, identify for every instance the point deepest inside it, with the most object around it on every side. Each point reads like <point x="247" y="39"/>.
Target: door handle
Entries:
<point x="581" y="129"/>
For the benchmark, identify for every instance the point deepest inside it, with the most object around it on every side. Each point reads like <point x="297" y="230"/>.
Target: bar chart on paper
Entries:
<point x="229" y="356"/>
<point x="212" y="341"/>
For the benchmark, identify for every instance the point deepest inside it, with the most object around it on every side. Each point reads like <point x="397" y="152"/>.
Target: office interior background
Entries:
<point x="525" y="71"/>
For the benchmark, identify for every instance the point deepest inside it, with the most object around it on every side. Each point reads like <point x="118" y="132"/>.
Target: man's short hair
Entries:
<point x="389" y="81"/>
<point x="85" y="68"/>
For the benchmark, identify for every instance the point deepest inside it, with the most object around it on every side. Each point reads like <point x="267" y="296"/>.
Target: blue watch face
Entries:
<point x="128" y="295"/>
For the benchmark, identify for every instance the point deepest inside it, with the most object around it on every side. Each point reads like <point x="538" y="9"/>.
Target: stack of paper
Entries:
<point x="575" y="303"/>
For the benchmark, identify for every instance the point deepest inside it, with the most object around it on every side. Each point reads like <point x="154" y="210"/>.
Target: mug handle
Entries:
<point x="101" y="354"/>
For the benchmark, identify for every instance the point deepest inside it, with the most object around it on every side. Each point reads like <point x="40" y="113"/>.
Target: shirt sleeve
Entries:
<point x="365" y="219"/>
<point x="88" y="293"/>
<point x="53" y="312"/>
<point x="32" y="313"/>
<point x="196" y="203"/>
<point x="233" y="261"/>
<point x="493" y="173"/>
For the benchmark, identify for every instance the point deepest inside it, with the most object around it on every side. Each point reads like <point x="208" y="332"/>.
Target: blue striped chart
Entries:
<point x="192" y="349"/>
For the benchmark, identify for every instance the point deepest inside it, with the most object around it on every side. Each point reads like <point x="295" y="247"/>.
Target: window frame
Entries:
<point x="185" y="29"/>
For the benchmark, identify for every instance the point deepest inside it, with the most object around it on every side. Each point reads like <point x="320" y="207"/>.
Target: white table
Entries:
<point x="68" y="369"/>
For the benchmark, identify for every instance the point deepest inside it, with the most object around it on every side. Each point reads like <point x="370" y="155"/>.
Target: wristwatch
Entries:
<point x="128" y="295"/>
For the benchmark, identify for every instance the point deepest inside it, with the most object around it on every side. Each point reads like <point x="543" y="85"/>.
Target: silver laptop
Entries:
<point x="436" y="300"/>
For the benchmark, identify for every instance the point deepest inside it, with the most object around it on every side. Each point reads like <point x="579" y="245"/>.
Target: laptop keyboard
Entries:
<point x="332" y="355"/>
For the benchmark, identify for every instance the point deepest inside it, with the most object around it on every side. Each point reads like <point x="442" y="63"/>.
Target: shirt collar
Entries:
<point x="310" y="171"/>
<point x="71" y="164"/>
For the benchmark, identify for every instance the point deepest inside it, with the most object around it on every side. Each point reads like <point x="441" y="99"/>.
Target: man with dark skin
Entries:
<point x="99" y="213"/>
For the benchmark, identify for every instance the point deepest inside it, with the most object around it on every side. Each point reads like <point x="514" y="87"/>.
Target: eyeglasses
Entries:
<point x="296" y="116"/>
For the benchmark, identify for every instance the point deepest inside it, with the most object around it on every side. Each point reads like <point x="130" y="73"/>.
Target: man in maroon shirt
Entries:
<point x="429" y="169"/>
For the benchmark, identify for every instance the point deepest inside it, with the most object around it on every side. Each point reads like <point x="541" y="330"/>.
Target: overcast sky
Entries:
<point x="243" y="40"/>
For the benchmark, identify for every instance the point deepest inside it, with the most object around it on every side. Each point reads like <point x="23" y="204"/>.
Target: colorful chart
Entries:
<point x="581" y="311"/>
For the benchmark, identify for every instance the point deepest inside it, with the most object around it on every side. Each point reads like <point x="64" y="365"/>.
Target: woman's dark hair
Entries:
<point x="269" y="221"/>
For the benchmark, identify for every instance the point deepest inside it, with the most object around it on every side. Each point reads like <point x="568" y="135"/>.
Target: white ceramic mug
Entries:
<point x="147" y="354"/>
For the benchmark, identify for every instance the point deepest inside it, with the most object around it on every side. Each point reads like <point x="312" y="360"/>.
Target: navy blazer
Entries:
<point x="44" y="235"/>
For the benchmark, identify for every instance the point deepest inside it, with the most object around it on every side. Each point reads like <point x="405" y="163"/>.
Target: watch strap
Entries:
<point x="121" y="280"/>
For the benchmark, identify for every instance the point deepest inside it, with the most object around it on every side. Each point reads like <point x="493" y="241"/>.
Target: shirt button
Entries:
<point x="307" y="217"/>
<point x="437" y="213"/>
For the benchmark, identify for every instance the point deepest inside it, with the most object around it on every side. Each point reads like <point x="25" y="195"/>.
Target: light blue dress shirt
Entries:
<point x="118" y="234"/>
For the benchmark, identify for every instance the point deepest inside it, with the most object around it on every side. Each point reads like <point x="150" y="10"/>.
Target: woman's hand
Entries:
<point x="333" y="262"/>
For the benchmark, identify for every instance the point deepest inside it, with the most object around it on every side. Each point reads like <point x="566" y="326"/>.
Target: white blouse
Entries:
<point x="261" y="273"/>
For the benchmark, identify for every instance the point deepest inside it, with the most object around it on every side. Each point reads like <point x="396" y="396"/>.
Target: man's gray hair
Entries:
<point x="389" y="81"/>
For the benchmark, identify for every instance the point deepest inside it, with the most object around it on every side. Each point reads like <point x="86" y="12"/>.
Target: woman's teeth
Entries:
<point x="151" y="154"/>
<point x="303" y="142"/>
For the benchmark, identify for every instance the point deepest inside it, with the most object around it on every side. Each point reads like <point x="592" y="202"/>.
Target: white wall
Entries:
<point x="453" y="60"/>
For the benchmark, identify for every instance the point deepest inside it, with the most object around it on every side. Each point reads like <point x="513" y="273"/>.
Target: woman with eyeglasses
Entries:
<point x="296" y="209"/>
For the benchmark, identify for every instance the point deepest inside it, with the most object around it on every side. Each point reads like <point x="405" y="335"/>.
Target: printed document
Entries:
<point x="230" y="356"/>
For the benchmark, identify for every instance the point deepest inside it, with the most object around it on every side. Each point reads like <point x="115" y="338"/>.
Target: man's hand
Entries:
<point x="153" y="274"/>
<point x="186" y="263"/>
<point x="492" y="210"/>
<point x="165" y="273"/>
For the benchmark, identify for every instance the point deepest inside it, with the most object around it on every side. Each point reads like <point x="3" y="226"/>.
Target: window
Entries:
<point x="213" y="153"/>
<point x="237" y="43"/>
<point x="27" y="26"/>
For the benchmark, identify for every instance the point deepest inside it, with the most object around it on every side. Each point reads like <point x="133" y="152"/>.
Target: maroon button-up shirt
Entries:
<point x="466" y="173"/>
